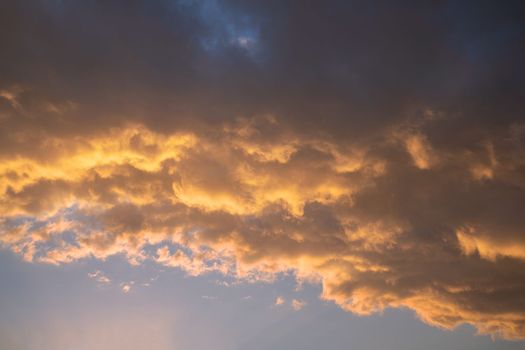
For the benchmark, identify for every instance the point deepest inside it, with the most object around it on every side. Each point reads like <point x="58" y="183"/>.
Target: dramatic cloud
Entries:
<point x="375" y="149"/>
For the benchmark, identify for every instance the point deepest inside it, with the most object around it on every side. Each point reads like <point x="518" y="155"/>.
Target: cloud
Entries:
<point x="374" y="230"/>
<point x="420" y="151"/>
<point x="279" y="301"/>
<point x="387" y="166"/>
<point x="126" y="286"/>
<point x="99" y="277"/>
<point x="298" y="304"/>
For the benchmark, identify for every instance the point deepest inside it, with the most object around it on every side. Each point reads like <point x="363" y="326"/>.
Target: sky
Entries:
<point x="181" y="174"/>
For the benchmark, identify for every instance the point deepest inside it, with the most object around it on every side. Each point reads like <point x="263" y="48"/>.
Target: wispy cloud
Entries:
<point x="99" y="277"/>
<point x="298" y="304"/>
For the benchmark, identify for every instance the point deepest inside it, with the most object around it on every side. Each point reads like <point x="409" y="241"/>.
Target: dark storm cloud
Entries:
<point x="377" y="148"/>
<point x="366" y="65"/>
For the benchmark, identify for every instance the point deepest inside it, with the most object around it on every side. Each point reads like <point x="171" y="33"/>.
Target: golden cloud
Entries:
<point x="360" y="219"/>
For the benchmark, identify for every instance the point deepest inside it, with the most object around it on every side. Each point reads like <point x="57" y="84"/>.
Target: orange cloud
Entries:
<point x="360" y="219"/>
<point x="279" y="301"/>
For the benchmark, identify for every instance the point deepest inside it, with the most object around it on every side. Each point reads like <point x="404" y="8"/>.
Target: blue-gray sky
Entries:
<point x="45" y="307"/>
<point x="262" y="175"/>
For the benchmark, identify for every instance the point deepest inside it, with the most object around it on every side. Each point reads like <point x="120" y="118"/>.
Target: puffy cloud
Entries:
<point x="279" y="301"/>
<point x="126" y="287"/>
<point x="379" y="233"/>
<point x="237" y="148"/>
<point x="488" y="247"/>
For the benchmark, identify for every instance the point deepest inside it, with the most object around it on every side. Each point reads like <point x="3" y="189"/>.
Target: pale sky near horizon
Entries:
<point x="182" y="174"/>
<point x="62" y="308"/>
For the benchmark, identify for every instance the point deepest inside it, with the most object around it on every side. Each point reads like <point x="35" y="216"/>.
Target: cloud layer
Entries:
<point x="379" y="152"/>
